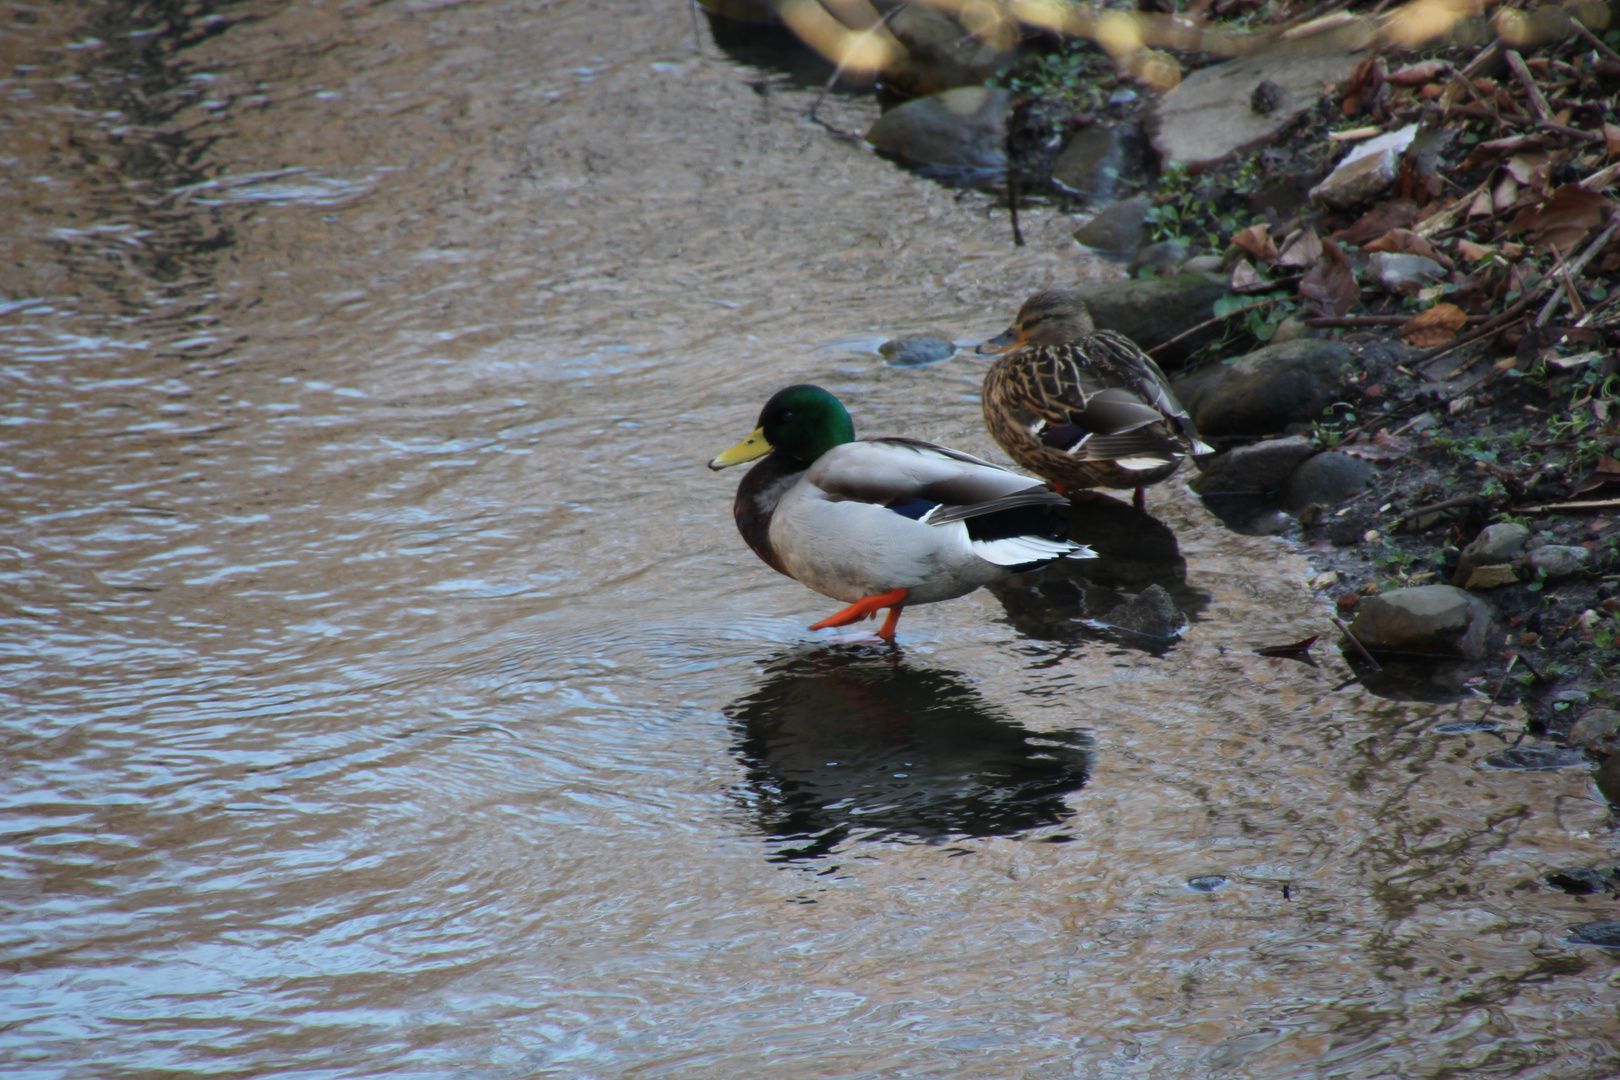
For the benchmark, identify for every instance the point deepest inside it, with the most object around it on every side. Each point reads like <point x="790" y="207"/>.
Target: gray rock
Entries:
<point x="940" y="54"/>
<point x="1159" y="259"/>
<point x="1325" y="480"/>
<point x="963" y="130"/>
<point x="1607" y="778"/>
<point x="1494" y="546"/>
<point x="1403" y="273"/>
<point x="1207" y="883"/>
<point x="916" y="351"/>
<point x="1605" y="934"/>
<point x="1097" y="157"/>
<point x="1537" y="756"/>
<point x="1152" y="613"/>
<point x="1151" y="311"/>
<point x="1434" y="620"/>
<point x="1210" y="115"/>
<point x="1203" y="264"/>
<point x="1117" y="227"/>
<point x="1256" y="469"/>
<point x="1265" y="391"/>
<point x="1293" y="328"/>
<point x="1596" y="727"/>
<point x="1556" y="561"/>
<point x="1579" y="880"/>
<point x="1367" y="169"/>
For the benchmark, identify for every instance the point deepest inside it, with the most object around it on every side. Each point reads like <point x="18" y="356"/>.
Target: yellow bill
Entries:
<point x="750" y="448"/>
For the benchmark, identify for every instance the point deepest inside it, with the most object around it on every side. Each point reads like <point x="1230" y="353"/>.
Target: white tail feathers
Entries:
<point x="1016" y="550"/>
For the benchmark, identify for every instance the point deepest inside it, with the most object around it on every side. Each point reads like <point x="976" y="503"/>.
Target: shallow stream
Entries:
<point x="387" y="692"/>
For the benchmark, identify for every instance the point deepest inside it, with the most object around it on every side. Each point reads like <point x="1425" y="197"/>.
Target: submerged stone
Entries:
<point x="1604" y="934"/>
<point x="1579" y="880"/>
<point x="962" y="132"/>
<point x="1208" y="883"/>
<point x="1536" y="756"/>
<point x="916" y="351"/>
<point x="1152" y="613"/>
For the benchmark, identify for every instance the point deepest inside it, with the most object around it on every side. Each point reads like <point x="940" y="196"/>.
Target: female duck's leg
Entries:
<point x="865" y="608"/>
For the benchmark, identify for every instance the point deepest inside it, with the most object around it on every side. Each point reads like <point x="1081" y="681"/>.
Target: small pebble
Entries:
<point x="1206" y="884"/>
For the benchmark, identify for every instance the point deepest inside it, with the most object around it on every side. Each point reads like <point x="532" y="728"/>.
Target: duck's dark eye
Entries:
<point x="788" y="415"/>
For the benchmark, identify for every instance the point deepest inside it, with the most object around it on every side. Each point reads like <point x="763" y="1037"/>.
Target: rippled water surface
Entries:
<point x="387" y="692"/>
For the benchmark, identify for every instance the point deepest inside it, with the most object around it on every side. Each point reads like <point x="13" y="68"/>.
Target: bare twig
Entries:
<point x="1552" y="508"/>
<point x="1447" y="504"/>
<point x="1211" y="322"/>
<point x="1573" y="269"/>
<point x="1490" y="326"/>
<point x="832" y="80"/>
<point x="1349" y="321"/>
<point x="1538" y="101"/>
<point x="1597" y="42"/>
<point x="1499" y="684"/>
<point x="1360" y="648"/>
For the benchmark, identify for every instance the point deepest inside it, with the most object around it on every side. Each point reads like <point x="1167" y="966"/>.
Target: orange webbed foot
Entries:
<point x="865" y="608"/>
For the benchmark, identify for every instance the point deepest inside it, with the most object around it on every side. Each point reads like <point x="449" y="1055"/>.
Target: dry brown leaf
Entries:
<point x="1329" y="287"/>
<point x="1530" y="169"/>
<point x="1245" y="278"/>
<point x="1418" y="74"/>
<point x="1481" y="206"/>
<point x="1563" y="220"/>
<point x="1394" y="214"/>
<point x="1474" y="252"/>
<point x="1256" y="240"/>
<point x="1505" y="194"/>
<point x="1611" y="137"/>
<point x="1407" y="242"/>
<point x="1436" y="326"/>
<point x="1301" y="249"/>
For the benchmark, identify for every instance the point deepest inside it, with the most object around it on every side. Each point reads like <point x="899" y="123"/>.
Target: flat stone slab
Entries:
<point x="1211" y="115"/>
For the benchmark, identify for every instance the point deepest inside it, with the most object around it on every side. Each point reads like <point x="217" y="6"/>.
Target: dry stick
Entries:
<point x="1448" y="504"/>
<point x="1538" y="101"/>
<point x="1500" y="683"/>
<point x="1488" y="327"/>
<point x="1573" y="270"/>
<point x="1590" y="504"/>
<point x="1348" y="321"/>
<point x="1210" y="322"/>
<point x="832" y="80"/>
<point x="1596" y="41"/>
<point x="1360" y="648"/>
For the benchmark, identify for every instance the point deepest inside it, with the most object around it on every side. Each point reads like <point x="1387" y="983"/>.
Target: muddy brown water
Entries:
<point x="387" y="692"/>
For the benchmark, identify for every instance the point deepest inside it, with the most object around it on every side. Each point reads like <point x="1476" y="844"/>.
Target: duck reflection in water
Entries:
<point x="841" y="743"/>
<point x="1133" y="593"/>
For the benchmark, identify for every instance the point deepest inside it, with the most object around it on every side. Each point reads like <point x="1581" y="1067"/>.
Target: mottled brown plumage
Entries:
<point x="1082" y="407"/>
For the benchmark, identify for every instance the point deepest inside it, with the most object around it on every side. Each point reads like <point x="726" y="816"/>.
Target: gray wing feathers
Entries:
<point x="885" y="471"/>
<point x="1037" y="496"/>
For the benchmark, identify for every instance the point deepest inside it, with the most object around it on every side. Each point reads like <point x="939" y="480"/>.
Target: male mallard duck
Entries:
<point x="1082" y="407"/>
<point x="883" y="523"/>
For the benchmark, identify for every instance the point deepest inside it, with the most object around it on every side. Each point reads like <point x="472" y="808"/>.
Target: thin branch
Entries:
<point x="1362" y="649"/>
<point x="1211" y="322"/>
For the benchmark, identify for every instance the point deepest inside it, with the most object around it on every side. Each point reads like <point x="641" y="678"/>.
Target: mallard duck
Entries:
<point x="1082" y="407"/>
<point x="883" y="523"/>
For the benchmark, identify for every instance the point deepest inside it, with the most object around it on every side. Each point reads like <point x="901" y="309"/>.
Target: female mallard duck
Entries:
<point x="1082" y="407"/>
<point x="883" y="523"/>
